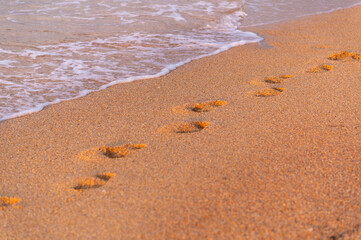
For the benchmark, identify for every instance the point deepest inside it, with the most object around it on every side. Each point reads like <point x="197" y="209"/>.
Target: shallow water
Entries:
<point x="62" y="49"/>
<point x="269" y="11"/>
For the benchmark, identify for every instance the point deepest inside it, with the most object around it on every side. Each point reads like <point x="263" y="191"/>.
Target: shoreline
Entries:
<point x="219" y="148"/>
<point x="170" y="67"/>
<point x="301" y="16"/>
<point x="163" y="72"/>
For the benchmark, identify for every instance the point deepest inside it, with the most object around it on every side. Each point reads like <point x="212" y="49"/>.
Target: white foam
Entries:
<point x="7" y="63"/>
<point x="80" y="68"/>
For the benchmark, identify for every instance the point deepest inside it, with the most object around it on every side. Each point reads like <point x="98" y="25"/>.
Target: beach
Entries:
<point x="258" y="142"/>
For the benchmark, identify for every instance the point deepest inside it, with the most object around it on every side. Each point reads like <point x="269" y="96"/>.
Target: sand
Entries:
<point x="161" y="159"/>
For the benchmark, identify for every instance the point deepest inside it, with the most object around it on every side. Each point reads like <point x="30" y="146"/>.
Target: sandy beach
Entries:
<point x="259" y="142"/>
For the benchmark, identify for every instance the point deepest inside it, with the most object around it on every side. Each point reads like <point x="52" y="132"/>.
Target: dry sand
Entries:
<point x="279" y="161"/>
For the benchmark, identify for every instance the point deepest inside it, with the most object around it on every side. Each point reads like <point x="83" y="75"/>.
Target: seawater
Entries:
<point x="55" y="50"/>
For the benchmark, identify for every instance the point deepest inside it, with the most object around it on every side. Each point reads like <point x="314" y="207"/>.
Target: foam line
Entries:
<point x="164" y="71"/>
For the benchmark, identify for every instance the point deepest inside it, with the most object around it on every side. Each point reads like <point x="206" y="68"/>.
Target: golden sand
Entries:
<point x="283" y="167"/>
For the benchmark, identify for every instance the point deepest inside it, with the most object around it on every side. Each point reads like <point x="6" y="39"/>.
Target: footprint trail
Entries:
<point x="109" y="152"/>
<point x="199" y="107"/>
<point x="321" y="68"/>
<point x="279" y="79"/>
<point x="94" y="182"/>
<point x="206" y="106"/>
<point x="185" y="127"/>
<point x="343" y="55"/>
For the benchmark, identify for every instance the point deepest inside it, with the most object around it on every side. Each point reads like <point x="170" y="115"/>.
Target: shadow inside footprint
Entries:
<point x="110" y="152"/>
<point x="341" y="55"/>
<point x="269" y="92"/>
<point x="94" y="182"/>
<point x="321" y="68"/>
<point x="199" y="107"/>
<point x="120" y="151"/>
<point x="8" y="201"/>
<point x="279" y="79"/>
<point x="191" y="127"/>
<point x="184" y="127"/>
<point x="115" y="152"/>
<point x="206" y="106"/>
<point x="357" y="56"/>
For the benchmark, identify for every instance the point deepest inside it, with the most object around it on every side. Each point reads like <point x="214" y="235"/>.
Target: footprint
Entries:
<point x="279" y="79"/>
<point x="120" y="151"/>
<point x="343" y="55"/>
<point x="6" y="202"/>
<point x="206" y="106"/>
<point x="199" y="107"/>
<point x="269" y="92"/>
<point x="321" y="68"/>
<point x="185" y="127"/>
<point x="94" y="182"/>
<point x="357" y="56"/>
<point x="109" y="152"/>
<point x="191" y="127"/>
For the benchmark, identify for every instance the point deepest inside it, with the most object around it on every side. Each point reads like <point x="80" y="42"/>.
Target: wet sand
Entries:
<point x="258" y="142"/>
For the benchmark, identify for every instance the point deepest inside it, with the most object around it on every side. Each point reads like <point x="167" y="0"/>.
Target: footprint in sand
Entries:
<point x="206" y="106"/>
<point x="345" y="54"/>
<point x="185" y="127"/>
<point x="278" y="79"/>
<point x="199" y="107"/>
<point x="107" y="152"/>
<point x="94" y="182"/>
<point x="6" y="202"/>
<point x="269" y="92"/>
<point x="321" y="68"/>
<point x="357" y="56"/>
